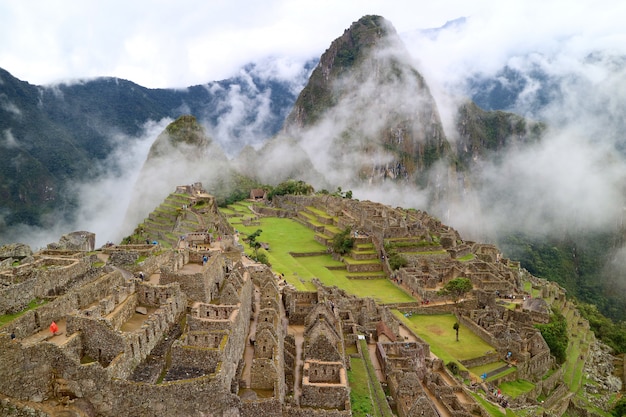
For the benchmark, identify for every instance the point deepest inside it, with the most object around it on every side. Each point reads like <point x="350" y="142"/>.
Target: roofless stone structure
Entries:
<point x="200" y="330"/>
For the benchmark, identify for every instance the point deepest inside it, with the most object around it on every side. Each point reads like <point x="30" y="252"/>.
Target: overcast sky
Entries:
<point x="164" y="43"/>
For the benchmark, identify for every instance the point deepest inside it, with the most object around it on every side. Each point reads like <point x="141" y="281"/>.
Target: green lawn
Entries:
<point x="359" y="389"/>
<point x="479" y="370"/>
<point x="437" y="331"/>
<point x="287" y="235"/>
<point x="514" y="388"/>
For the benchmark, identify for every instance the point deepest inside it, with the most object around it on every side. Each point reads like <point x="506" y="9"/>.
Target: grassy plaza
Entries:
<point x="286" y="236"/>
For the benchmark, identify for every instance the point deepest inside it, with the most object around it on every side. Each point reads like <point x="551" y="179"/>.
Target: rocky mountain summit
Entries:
<point x="367" y="106"/>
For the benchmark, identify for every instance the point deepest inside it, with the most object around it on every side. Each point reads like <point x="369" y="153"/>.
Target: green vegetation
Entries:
<point x="342" y="242"/>
<point x="397" y="261"/>
<point x="236" y="188"/>
<point x="613" y="334"/>
<point x="620" y="408"/>
<point x="515" y="388"/>
<point x="491" y="408"/>
<point x="7" y="318"/>
<point x="380" y="405"/>
<point x="287" y="236"/>
<point x="252" y="242"/>
<point x="439" y="333"/>
<point x="555" y="335"/>
<point x="291" y="187"/>
<point x="359" y="389"/>
<point x="456" y="288"/>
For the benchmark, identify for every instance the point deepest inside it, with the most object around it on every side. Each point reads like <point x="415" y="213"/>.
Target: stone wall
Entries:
<point x="270" y="407"/>
<point x="314" y="412"/>
<point x="196" y="357"/>
<point x="123" y="311"/>
<point x="325" y="396"/>
<point x="16" y="297"/>
<point x="202" y="286"/>
<point x="43" y="278"/>
<point x="264" y="374"/>
<point x="482" y="360"/>
<point x="103" y="343"/>
<point x="157" y="295"/>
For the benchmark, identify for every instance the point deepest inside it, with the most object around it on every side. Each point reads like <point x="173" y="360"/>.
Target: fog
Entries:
<point x="573" y="178"/>
<point x="102" y="202"/>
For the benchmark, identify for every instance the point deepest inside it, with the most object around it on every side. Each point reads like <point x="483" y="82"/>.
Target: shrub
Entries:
<point x="342" y="242"/>
<point x="397" y="261"/>
<point x="453" y="367"/>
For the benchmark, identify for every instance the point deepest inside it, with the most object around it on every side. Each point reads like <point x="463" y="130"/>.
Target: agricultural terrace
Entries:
<point x="286" y="236"/>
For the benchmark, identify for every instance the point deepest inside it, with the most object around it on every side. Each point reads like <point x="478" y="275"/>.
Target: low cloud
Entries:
<point x="8" y="106"/>
<point x="8" y="140"/>
<point x="102" y="202"/>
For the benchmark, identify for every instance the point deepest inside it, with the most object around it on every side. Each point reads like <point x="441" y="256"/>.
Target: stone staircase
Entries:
<point x="169" y="220"/>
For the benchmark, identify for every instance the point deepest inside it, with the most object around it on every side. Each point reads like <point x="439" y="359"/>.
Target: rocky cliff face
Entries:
<point x="484" y="133"/>
<point x="366" y="112"/>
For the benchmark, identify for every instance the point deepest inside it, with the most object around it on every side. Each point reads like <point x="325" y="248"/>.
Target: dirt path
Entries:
<point x="371" y="347"/>
<point x="248" y="354"/>
<point x="441" y="409"/>
<point x="406" y="334"/>
<point x="298" y="332"/>
<point x="59" y="338"/>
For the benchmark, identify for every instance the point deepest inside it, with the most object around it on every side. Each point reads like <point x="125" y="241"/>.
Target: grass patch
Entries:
<point x="381" y="408"/>
<point x="468" y="257"/>
<point x="516" y="388"/>
<point x="479" y="370"/>
<point x="491" y="408"/>
<point x="359" y="389"/>
<point x="7" y="318"/>
<point x="437" y="331"/>
<point x="287" y="235"/>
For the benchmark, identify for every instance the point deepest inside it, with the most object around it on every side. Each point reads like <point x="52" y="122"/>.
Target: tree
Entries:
<point x="555" y="334"/>
<point x="292" y="187"/>
<point x="251" y="238"/>
<point x="456" y="328"/>
<point x="397" y="261"/>
<point x="342" y="242"/>
<point x="456" y="288"/>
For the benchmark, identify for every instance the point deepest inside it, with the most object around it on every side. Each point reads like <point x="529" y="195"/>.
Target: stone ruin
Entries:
<point x="148" y="331"/>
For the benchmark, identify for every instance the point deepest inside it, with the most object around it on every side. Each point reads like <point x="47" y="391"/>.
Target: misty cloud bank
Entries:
<point x="573" y="178"/>
<point x="102" y="202"/>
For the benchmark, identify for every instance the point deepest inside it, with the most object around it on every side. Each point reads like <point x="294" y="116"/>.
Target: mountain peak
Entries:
<point x="369" y="108"/>
<point x="344" y="53"/>
<point x="184" y="133"/>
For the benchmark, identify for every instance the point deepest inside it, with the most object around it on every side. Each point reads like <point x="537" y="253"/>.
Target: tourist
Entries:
<point x="54" y="328"/>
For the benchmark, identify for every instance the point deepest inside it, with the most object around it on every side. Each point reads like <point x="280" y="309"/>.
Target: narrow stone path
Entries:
<point x="249" y="350"/>
<point x="298" y="332"/>
<point x="371" y="347"/>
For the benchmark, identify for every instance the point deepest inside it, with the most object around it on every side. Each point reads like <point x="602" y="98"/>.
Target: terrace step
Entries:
<point x="367" y="276"/>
